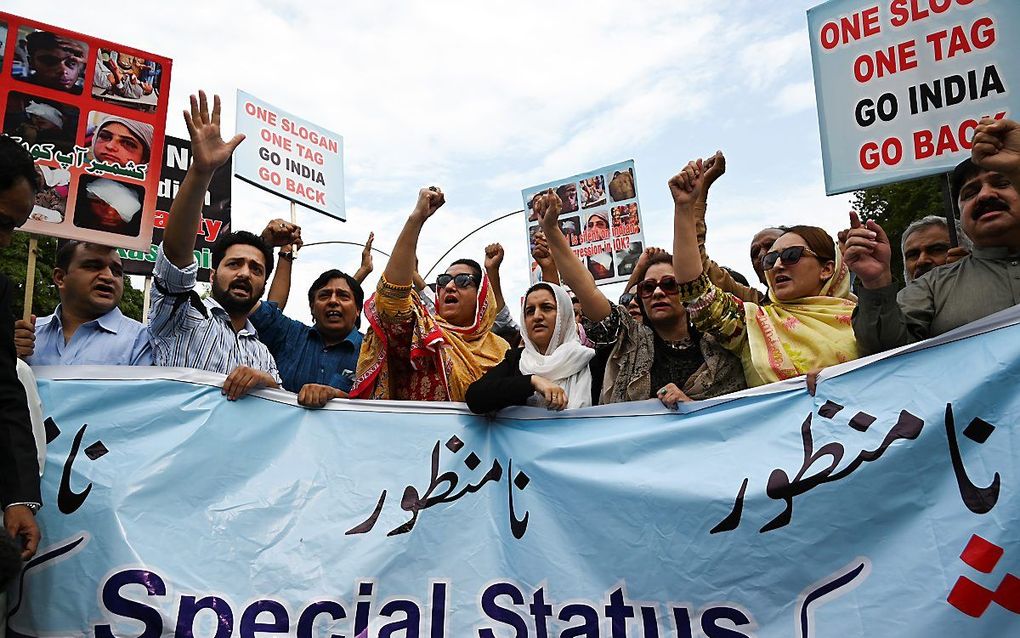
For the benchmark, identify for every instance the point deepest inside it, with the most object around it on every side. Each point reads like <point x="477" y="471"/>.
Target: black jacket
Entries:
<point x="19" y="465"/>
<point x="504" y="385"/>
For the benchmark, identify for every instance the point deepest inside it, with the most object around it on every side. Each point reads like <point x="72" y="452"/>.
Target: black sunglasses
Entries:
<point x="789" y="256"/>
<point x="463" y="280"/>
<point x="668" y="284"/>
<point x="626" y="298"/>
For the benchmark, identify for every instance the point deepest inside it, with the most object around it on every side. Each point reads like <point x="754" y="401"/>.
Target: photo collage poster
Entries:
<point x="92" y="113"/>
<point x="600" y="218"/>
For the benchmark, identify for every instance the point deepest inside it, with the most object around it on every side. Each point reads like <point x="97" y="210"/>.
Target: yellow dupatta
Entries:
<point x="441" y="353"/>
<point x="786" y="339"/>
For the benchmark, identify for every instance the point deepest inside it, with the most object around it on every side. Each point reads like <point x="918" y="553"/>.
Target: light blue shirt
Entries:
<point x="110" y="340"/>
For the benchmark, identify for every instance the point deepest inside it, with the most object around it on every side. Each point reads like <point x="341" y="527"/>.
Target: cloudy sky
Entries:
<point x="485" y="99"/>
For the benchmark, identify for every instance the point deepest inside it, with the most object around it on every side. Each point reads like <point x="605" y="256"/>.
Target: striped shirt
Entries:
<point x="182" y="335"/>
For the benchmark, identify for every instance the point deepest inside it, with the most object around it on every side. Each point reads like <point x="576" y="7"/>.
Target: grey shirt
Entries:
<point x="942" y="299"/>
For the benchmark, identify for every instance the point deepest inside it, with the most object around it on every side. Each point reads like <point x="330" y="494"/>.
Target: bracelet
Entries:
<point x="287" y="256"/>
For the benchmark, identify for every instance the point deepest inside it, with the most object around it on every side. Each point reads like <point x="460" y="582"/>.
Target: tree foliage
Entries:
<point x="14" y="264"/>
<point x="894" y="206"/>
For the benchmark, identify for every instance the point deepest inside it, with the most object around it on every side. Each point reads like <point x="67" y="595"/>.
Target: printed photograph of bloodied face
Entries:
<point x="626" y="260"/>
<point x="621" y="185"/>
<point x="127" y="80"/>
<point x="601" y="266"/>
<point x="117" y="140"/>
<point x="51" y="200"/>
<point x="568" y="195"/>
<point x="109" y="205"/>
<point x="37" y="120"/>
<point x="625" y="219"/>
<point x="593" y="191"/>
<point x="50" y="60"/>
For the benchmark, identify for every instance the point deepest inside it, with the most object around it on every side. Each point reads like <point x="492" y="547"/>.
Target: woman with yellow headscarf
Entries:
<point x="409" y="353"/>
<point x="806" y="326"/>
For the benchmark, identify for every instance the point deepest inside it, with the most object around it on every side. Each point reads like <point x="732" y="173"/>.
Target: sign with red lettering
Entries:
<point x="215" y="212"/>
<point x="901" y="84"/>
<point x="289" y="156"/>
<point x="92" y="113"/>
<point x="600" y="219"/>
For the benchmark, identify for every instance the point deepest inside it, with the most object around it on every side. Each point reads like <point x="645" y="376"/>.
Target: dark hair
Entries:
<point x="469" y="262"/>
<point x="819" y="241"/>
<point x="330" y="275"/>
<point x="41" y="40"/>
<point x="737" y="277"/>
<point x="65" y="254"/>
<point x="243" y="238"/>
<point x="15" y="163"/>
<point x="963" y="172"/>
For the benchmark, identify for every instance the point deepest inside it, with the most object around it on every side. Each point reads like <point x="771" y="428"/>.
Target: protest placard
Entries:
<point x="601" y="220"/>
<point x="92" y="113"/>
<point x="901" y="84"/>
<point x="290" y="157"/>
<point x="215" y="212"/>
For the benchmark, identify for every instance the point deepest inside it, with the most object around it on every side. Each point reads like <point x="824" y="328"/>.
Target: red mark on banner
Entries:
<point x="260" y="113"/>
<point x="973" y="599"/>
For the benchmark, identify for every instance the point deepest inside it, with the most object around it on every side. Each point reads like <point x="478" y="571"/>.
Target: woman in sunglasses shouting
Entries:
<point x="806" y="327"/>
<point x="412" y="354"/>
<point x="659" y="357"/>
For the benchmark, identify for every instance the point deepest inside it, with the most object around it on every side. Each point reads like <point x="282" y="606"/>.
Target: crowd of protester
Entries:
<point x="685" y="329"/>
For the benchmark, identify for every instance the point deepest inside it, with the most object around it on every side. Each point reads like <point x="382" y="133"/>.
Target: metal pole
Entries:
<point x="951" y="211"/>
<point x="488" y="223"/>
<point x="146" y="299"/>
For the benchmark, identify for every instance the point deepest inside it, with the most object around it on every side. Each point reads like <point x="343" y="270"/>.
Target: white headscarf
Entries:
<point x="565" y="361"/>
<point x="140" y="130"/>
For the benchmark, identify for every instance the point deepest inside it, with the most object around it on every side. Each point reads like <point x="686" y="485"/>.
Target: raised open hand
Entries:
<point x="366" y="253"/>
<point x="208" y="150"/>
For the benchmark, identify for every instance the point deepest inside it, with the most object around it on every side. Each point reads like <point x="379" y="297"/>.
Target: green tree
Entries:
<point x="894" y="206"/>
<point x="14" y="264"/>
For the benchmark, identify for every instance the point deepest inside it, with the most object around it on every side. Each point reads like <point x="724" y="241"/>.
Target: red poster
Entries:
<point x="93" y="114"/>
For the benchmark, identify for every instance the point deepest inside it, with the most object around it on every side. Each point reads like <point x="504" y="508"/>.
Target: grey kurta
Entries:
<point x="942" y="299"/>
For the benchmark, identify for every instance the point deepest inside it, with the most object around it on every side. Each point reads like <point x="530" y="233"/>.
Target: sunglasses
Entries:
<point x="626" y="298"/>
<point x="668" y="284"/>
<point x="789" y="256"/>
<point x="463" y="280"/>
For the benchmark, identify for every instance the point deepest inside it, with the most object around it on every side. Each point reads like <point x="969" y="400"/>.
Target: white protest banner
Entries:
<point x="901" y="84"/>
<point x="289" y="156"/>
<point x="600" y="219"/>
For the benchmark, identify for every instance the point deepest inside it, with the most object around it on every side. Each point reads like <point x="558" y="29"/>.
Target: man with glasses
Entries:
<point x="985" y="282"/>
<point x="56" y="62"/>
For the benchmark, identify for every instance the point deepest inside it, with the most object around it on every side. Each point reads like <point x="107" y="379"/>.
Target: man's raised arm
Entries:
<point x="208" y="152"/>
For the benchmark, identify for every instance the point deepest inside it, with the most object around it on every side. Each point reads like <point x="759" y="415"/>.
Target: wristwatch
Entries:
<point x="289" y="256"/>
